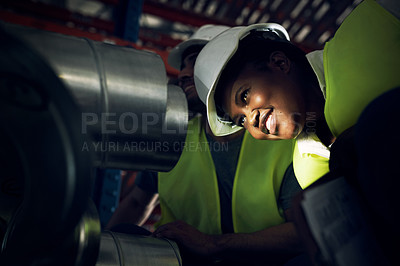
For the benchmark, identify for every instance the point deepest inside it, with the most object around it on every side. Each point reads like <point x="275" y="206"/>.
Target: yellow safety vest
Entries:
<point x="361" y="62"/>
<point x="189" y="192"/>
<point x="308" y="167"/>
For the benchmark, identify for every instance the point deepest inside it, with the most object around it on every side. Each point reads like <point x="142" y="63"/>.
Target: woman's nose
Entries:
<point x="253" y="118"/>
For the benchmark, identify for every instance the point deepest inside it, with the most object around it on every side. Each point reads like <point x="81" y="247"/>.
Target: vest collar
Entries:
<point x="315" y="59"/>
<point x="309" y="143"/>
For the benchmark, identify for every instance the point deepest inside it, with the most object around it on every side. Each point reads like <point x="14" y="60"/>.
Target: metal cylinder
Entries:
<point x="125" y="249"/>
<point x="58" y="94"/>
<point x="46" y="178"/>
<point x="134" y="120"/>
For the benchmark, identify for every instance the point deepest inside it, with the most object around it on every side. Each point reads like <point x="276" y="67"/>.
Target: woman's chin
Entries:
<point x="290" y="132"/>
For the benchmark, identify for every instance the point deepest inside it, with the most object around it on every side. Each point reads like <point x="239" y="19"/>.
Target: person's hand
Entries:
<point x="188" y="237"/>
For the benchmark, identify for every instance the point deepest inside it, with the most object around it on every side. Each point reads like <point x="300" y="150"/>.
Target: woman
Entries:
<point x="253" y="77"/>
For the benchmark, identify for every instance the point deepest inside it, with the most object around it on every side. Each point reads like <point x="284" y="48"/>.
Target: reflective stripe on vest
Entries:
<point x="189" y="192"/>
<point x="308" y="168"/>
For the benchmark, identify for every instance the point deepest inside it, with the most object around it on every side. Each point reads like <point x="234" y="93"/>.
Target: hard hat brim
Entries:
<point x="202" y="36"/>
<point x="175" y="56"/>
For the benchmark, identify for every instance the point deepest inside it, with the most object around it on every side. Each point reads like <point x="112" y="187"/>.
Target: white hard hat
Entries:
<point x="203" y="35"/>
<point x="212" y="60"/>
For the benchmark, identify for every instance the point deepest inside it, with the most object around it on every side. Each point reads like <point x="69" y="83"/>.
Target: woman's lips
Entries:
<point x="270" y="123"/>
<point x="265" y="115"/>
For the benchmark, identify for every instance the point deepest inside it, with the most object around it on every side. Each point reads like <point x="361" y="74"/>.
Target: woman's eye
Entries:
<point x="241" y="121"/>
<point x="244" y="96"/>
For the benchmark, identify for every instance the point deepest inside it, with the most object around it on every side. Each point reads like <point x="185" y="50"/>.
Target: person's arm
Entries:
<point x="137" y="206"/>
<point x="275" y="244"/>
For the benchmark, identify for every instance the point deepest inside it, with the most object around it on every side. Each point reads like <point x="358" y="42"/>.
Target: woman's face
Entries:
<point x="268" y="103"/>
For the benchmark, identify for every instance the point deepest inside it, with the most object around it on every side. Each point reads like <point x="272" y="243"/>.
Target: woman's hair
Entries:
<point x="256" y="50"/>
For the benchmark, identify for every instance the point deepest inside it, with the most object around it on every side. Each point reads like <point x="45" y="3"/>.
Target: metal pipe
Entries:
<point x="127" y="108"/>
<point x="46" y="173"/>
<point x="45" y="177"/>
<point x="125" y="249"/>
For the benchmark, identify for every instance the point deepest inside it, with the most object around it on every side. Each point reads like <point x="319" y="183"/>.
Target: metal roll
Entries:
<point x="50" y="87"/>
<point x="46" y="178"/>
<point x="118" y="249"/>
<point x="123" y="95"/>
